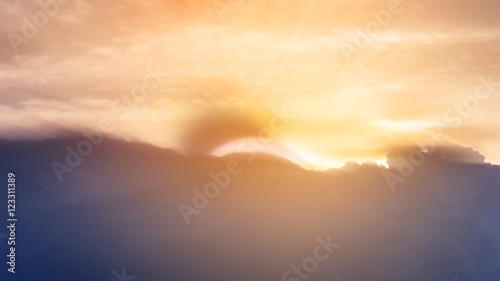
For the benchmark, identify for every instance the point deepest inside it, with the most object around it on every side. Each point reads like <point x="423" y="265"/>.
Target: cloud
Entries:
<point x="440" y="222"/>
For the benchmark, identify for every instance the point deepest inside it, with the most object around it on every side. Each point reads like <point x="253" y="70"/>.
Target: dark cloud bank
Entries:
<point x="119" y="208"/>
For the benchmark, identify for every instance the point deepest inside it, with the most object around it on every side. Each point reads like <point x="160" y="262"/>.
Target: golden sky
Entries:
<point x="358" y="77"/>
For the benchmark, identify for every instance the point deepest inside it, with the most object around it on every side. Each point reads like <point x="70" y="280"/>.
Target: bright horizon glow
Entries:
<point x="289" y="151"/>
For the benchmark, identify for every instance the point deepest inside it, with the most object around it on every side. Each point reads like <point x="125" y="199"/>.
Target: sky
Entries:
<point x="319" y="82"/>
